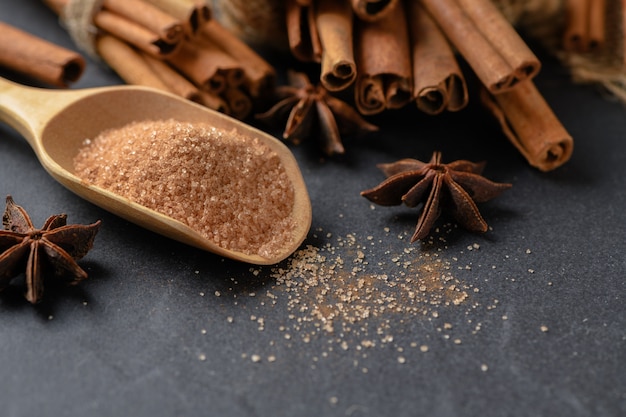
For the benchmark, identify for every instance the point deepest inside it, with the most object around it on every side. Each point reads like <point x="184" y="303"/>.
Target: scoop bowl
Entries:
<point x="56" y="122"/>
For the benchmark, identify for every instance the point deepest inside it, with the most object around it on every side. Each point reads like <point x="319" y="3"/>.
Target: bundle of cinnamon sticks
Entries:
<point x="176" y="46"/>
<point x="392" y="53"/>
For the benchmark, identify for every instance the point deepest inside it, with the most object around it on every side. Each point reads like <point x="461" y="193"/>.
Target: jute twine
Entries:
<point x="77" y="18"/>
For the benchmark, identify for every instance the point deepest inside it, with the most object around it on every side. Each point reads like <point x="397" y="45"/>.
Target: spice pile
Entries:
<point x="230" y="188"/>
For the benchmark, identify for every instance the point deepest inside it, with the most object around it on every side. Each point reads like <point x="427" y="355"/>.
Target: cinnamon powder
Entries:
<point x="230" y="188"/>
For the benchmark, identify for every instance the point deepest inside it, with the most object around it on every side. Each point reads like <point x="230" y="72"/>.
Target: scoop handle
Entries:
<point x="29" y="109"/>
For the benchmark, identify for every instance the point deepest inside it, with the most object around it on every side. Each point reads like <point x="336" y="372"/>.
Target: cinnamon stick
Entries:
<point x="56" y="5"/>
<point x="304" y="42"/>
<point x="194" y="14"/>
<point x="438" y="83"/>
<point x="371" y="10"/>
<point x="504" y="38"/>
<point x="167" y="28"/>
<point x="576" y="35"/>
<point x="333" y="20"/>
<point x="370" y="94"/>
<point x="214" y="101"/>
<point x="201" y="62"/>
<point x="531" y="125"/>
<point x="133" y="33"/>
<point x="597" y="24"/>
<point x="260" y="76"/>
<point x="127" y="62"/>
<point x="175" y="82"/>
<point x="486" y="40"/>
<point x="383" y="63"/>
<point x="38" y="58"/>
<point x="239" y="104"/>
<point x="235" y="76"/>
<point x="585" y="25"/>
<point x="623" y="22"/>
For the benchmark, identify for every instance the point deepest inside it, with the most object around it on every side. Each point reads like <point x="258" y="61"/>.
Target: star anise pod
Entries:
<point x="454" y="188"/>
<point x="51" y="250"/>
<point x="306" y="107"/>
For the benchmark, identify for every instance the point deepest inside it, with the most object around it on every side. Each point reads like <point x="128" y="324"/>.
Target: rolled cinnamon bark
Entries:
<point x="192" y="13"/>
<point x="239" y="104"/>
<point x="38" y="58"/>
<point x="623" y="9"/>
<point x="175" y="82"/>
<point x="213" y="101"/>
<point x="597" y="24"/>
<point x="531" y="125"/>
<point x="383" y="63"/>
<point x="371" y="10"/>
<point x="133" y="33"/>
<point x="398" y="92"/>
<point x="127" y="62"/>
<point x="438" y="83"/>
<point x="201" y="62"/>
<point x="234" y="76"/>
<point x="576" y="34"/>
<point x="56" y="5"/>
<point x="505" y="40"/>
<point x="167" y="28"/>
<point x="260" y="76"/>
<point x="304" y="42"/>
<point x="333" y="20"/>
<point x="370" y="94"/>
<point x="486" y="51"/>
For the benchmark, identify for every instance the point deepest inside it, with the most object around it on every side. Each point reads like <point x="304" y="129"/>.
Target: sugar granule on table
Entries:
<point x="230" y="188"/>
<point x="336" y="300"/>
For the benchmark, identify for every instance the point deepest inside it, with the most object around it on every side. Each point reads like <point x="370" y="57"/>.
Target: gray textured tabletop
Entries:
<point x="534" y="325"/>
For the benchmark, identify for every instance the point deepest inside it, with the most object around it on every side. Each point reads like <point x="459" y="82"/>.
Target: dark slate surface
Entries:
<point x="128" y="341"/>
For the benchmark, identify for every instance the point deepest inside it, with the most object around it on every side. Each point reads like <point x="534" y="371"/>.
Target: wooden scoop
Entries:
<point x="56" y="122"/>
